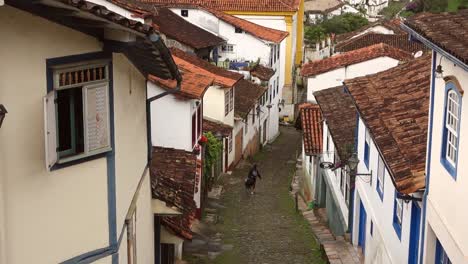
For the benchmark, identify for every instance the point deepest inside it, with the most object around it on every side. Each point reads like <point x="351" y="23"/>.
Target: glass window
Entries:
<point x="367" y="148"/>
<point x="184" y="12"/>
<point x="380" y="176"/>
<point x="452" y="120"/>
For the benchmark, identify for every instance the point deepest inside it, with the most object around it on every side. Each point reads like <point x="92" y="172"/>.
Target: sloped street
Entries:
<point x="260" y="228"/>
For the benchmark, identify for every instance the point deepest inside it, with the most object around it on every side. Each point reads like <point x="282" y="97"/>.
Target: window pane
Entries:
<point x="70" y="121"/>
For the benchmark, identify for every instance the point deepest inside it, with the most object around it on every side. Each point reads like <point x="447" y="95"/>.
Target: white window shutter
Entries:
<point x="50" y="130"/>
<point x="97" y="117"/>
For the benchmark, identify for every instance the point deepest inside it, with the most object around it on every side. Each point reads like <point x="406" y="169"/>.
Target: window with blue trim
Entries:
<point x="380" y="177"/>
<point x="441" y="256"/>
<point x="451" y="128"/>
<point x="398" y="215"/>
<point x="367" y="148"/>
<point x="77" y="112"/>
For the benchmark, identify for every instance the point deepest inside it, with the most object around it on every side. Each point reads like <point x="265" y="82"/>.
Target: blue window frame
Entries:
<point x="441" y="256"/>
<point x="380" y="178"/>
<point x="397" y="215"/>
<point x="367" y="148"/>
<point x="451" y="129"/>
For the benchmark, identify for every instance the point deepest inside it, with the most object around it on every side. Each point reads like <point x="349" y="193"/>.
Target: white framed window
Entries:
<point x="380" y="175"/>
<point x="399" y="210"/>
<point x="452" y="120"/>
<point x="184" y="13"/>
<point x="76" y="112"/>
<point x="246" y="125"/>
<point x="227" y="48"/>
<point x="230" y="143"/>
<point x="228" y="101"/>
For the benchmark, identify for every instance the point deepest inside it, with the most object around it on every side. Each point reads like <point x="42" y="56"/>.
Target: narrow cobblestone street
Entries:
<point x="264" y="227"/>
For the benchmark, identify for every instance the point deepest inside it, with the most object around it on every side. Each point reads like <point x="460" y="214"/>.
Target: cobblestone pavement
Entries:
<point x="263" y="228"/>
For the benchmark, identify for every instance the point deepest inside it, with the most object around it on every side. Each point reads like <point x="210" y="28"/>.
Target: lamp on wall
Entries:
<point x="352" y="163"/>
<point x="3" y="112"/>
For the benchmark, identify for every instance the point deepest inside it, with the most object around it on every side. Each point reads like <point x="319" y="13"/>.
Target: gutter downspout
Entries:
<point x="157" y="219"/>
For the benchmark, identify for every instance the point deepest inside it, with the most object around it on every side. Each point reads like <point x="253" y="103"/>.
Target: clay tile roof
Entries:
<point x="192" y="63"/>
<point x="235" y="5"/>
<point x="214" y="127"/>
<point x="246" y="96"/>
<point x="262" y="72"/>
<point x="353" y="57"/>
<point x="312" y="128"/>
<point x="193" y="85"/>
<point x="173" y="175"/>
<point x="393" y="24"/>
<point x="448" y="31"/>
<point x="397" y="41"/>
<point x="339" y="112"/>
<point x="177" y="28"/>
<point x="394" y="105"/>
<point x="265" y="33"/>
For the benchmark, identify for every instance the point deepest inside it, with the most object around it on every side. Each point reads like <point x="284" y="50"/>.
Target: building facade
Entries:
<point x="85" y="102"/>
<point x="443" y="238"/>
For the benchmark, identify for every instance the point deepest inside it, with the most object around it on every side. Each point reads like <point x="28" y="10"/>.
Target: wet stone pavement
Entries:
<point x="263" y="228"/>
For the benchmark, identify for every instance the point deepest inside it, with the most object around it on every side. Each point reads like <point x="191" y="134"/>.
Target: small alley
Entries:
<point x="259" y="228"/>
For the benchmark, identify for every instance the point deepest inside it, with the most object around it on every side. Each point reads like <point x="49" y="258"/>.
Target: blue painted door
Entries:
<point x="414" y="233"/>
<point x="362" y="226"/>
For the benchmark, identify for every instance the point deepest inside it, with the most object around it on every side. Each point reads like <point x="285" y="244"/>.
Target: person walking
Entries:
<point x="251" y="179"/>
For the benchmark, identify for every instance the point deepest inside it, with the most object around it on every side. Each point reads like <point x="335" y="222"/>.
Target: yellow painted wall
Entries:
<point x="61" y="214"/>
<point x="300" y="34"/>
<point x="49" y="217"/>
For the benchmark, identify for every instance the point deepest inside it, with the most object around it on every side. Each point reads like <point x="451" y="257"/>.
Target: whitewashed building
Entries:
<point x="391" y="146"/>
<point x="74" y="146"/>
<point x="251" y="119"/>
<point x="331" y="72"/>
<point x="218" y="100"/>
<point x="246" y="44"/>
<point x="444" y="237"/>
<point x="334" y="184"/>
<point x="318" y="10"/>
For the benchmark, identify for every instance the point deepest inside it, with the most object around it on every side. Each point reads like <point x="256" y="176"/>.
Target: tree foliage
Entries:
<point x="213" y="149"/>
<point x="337" y="25"/>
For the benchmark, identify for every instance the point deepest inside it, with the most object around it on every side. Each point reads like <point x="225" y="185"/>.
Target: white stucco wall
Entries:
<point x="213" y="103"/>
<point x="171" y="120"/>
<point x="334" y="177"/>
<point x="446" y="210"/>
<point x="387" y="247"/>
<point x="246" y="46"/>
<point x="337" y="76"/>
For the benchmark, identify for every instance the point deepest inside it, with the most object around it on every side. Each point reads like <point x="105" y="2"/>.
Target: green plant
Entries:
<point x="392" y="9"/>
<point x="213" y="148"/>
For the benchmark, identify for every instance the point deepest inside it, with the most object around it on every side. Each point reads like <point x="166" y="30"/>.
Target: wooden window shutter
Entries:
<point x="97" y="117"/>
<point x="50" y="130"/>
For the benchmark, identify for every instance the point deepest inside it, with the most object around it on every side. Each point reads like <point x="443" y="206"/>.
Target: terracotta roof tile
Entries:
<point x="194" y="64"/>
<point x="177" y="28"/>
<point x="265" y="33"/>
<point x="353" y="57"/>
<point x="339" y="112"/>
<point x="235" y="5"/>
<point x="312" y="128"/>
<point x="262" y="72"/>
<point x="193" y="85"/>
<point x="393" y="24"/>
<point x="173" y="175"/>
<point x="246" y="96"/>
<point x="394" y="105"/>
<point x="214" y="127"/>
<point x="397" y="41"/>
<point x="448" y="31"/>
